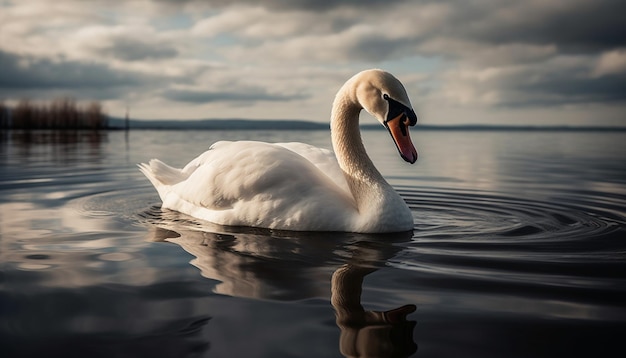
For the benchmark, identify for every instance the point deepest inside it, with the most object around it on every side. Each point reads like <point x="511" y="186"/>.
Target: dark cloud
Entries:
<point x="127" y="49"/>
<point x="27" y="75"/>
<point x="30" y="72"/>
<point x="571" y="25"/>
<point x="553" y="84"/>
<point x="565" y="89"/>
<point x="379" y="48"/>
<point x="192" y="96"/>
<point x="324" y="5"/>
<point x="307" y="5"/>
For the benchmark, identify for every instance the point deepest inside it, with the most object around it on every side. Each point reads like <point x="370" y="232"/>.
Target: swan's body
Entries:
<point x="295" y="186"/>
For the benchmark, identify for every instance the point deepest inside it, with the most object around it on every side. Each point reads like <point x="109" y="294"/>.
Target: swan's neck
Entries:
<point x="366" y="183"/>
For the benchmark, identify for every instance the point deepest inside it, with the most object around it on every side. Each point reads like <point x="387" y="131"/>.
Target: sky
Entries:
<point x="532" y="62"/>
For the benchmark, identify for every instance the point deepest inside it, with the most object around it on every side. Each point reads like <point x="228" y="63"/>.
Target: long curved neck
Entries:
<point x="362" y="176"/>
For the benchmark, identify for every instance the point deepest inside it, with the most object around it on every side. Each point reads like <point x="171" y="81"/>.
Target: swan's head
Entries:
<point x="384" y="97"/>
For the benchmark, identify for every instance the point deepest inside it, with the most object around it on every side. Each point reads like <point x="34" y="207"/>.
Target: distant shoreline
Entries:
<point x="117" y="124"/>
<point x="250" y="124"/>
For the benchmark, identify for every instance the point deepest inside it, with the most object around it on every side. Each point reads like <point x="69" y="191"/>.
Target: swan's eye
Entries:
<point x="385" y="96"/>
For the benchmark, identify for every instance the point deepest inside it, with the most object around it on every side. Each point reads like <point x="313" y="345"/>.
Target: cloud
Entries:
<point x="575" y="26"/>
<point x="611" y="63"/>
<point x="557" y="81"/>
<point x="302" y="5"/>
<point x="27" y="75"/>
<point x="26" y="72"/>
<point x="197" y="96"/>
<point x="129" y="49"/>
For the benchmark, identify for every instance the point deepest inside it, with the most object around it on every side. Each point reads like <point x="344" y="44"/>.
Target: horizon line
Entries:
<point x="286" y="124"/>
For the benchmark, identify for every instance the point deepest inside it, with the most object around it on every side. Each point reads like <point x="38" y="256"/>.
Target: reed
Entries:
<point x="61" y="113"/>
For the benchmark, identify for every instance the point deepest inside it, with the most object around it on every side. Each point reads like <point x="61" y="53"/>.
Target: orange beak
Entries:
<point x="399" y="129"/>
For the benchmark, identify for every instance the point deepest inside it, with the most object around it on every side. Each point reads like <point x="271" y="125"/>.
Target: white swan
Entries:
<point x="295" y="186"/>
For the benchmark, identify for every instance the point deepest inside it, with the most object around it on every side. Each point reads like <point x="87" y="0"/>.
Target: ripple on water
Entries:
<point x="124" y="203"/>
<point x="478" y="216"/>
<point x="487" y="241"/>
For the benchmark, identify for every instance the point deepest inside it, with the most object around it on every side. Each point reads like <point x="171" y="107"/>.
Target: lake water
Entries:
<point x="518" y="250"/>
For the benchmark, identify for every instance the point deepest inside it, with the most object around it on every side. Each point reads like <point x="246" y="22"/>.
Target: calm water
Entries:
<point x="518" y="250"/>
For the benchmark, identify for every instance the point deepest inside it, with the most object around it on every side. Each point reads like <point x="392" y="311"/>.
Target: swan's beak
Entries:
<point x="399" y="129"/>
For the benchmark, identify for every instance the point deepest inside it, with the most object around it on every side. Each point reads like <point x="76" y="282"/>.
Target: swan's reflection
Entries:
<point x="368" y="333"/>
<point x="265" y="264"/>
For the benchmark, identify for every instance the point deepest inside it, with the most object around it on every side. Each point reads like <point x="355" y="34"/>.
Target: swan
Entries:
<point x="296" y="186"/>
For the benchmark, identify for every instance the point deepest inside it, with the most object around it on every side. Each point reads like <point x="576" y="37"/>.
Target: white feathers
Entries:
<point x="255" y="184"/>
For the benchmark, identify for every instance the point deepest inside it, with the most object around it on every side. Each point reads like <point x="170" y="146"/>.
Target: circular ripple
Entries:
<point x="479" y="216"/>
<point x="468" y="239"/>
<point x="124" y="203"/>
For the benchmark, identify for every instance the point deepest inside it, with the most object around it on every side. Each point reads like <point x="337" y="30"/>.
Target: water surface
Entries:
<point x="518" y="251"/>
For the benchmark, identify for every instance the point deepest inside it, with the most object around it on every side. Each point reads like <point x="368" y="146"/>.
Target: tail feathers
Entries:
<point x="161" y="174"/>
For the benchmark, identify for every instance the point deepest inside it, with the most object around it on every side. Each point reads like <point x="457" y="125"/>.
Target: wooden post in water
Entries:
<point x="127" y="121"/>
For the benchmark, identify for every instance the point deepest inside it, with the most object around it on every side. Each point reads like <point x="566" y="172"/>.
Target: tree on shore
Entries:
<point x="61" y="113"/>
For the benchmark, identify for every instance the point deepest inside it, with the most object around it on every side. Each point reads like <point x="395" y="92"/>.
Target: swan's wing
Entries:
<point x="202" y="158"/>
<point x="323" y="159"/>
<point x="257" y="184"/>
